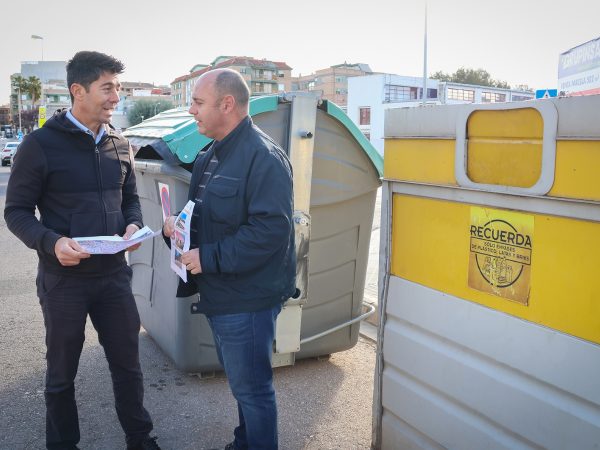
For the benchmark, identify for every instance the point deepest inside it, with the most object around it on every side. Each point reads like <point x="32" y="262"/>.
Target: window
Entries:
<point x="395" y="93"/>
<point x="431" y="93"/>
<point x="341" y="91"/>
<point x="461" y="94"/>
<point x="365" y="116"/>
<point x="243" y="70"/>
<point x="520" y="98"/>
<point x="492" y="97"/>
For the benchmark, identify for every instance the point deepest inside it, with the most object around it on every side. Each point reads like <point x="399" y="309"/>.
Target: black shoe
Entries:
<point x="147" y="444"/>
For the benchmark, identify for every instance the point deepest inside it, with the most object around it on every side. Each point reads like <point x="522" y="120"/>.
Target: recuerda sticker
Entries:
<point x="501" y="246"/>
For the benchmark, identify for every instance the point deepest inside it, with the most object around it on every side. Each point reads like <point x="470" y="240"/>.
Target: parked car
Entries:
<point x="8" y="151"/>
<point x="12" y="158"/>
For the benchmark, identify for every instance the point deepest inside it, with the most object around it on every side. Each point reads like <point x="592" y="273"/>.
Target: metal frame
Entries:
<point x="544" y="184"/>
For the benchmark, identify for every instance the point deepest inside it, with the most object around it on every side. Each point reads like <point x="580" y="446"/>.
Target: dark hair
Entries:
<point x="86" y="67"/>
<point x="230" y="82"/>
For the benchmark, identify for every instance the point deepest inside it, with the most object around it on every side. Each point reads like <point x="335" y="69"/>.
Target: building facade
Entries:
<point x="46" y="71"/>
<point x="331" y="83"/>
<point x="5" y="116"/>
<point x="370" y="96"/>
<point x="263" y="77"/>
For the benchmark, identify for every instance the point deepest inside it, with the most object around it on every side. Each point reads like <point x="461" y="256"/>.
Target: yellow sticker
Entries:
<point x="501" y="245"/>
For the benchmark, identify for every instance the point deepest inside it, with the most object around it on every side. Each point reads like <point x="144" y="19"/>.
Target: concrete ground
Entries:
<point x="323" y="404"/>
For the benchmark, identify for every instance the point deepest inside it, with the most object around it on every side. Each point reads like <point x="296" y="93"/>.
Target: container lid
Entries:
<point x="174" y="135"/>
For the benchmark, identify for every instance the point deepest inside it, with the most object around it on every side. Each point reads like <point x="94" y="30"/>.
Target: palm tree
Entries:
<point x="33" y="86"/>
<point x="19" y="84"/>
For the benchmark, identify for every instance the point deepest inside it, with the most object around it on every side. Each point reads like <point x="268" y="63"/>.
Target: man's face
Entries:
<point x="97" y="104"/>
<point x="206" y="109"/>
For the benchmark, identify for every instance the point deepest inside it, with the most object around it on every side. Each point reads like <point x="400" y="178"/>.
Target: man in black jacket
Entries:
<point x="79" y="173"/>
<point x="242" y="258"/>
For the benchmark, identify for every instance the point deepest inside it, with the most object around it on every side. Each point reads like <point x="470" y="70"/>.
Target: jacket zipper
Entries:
<point x="101" y="190"/>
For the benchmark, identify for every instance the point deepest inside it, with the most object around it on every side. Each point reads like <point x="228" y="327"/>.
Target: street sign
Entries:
<point x="546" y="93"/>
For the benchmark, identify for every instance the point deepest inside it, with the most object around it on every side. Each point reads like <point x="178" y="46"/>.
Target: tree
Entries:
<point x="19" y="84"/>
<point x="33" y="87"/>
<point x="144" y="109"/>
<point x="477" y="77"/>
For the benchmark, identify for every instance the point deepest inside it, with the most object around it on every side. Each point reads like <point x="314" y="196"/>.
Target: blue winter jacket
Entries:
<point x="244" y="225"/>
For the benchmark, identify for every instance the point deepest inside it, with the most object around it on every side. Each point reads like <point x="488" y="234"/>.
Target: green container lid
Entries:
<point x="174" y="135"/>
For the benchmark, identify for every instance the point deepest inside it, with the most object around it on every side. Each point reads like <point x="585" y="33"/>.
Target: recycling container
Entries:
<point x="489" y="331"/>
<point x="336" y="177"/>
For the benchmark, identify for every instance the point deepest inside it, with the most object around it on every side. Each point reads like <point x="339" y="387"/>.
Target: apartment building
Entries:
<point x="262" y="76"/>
<point x="331" y="83"/>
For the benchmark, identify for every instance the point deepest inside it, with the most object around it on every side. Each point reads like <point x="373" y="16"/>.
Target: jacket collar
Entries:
<point x="62" y="123"/>
<point x="224" y="146"/>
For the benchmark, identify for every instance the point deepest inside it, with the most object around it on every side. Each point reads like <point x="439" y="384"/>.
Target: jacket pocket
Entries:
<point x="222" y="200"/>
<point x="47" y="282"/>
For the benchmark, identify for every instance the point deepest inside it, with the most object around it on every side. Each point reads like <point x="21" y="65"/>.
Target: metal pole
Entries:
<point x="424" y="94"/>
<point x="19" y="107"/>
<point x="41" y="38"/>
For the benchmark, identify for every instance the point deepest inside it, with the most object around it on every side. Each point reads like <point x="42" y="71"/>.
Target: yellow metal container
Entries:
<point x="490" y="304"/>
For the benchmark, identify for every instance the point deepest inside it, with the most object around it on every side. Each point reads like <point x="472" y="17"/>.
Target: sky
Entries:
<point x="517" y="41"/>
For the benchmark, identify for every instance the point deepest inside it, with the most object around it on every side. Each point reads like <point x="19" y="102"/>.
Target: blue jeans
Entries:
<point x="245" y="346"/>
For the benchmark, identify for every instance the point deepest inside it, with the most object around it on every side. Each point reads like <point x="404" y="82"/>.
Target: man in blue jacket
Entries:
<point x="79" y="174"/>
<point x="242" y="258"/>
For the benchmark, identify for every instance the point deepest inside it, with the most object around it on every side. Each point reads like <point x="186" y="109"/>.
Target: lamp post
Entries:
<point x="40" y="38"/>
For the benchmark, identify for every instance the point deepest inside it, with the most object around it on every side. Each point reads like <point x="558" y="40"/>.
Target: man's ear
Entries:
<point x="228" y="103"/>
<point x="77" y="91"/>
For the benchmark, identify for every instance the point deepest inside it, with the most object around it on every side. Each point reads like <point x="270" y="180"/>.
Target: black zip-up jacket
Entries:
<point x="244" y="225"/>
<point x="80" y="189"/>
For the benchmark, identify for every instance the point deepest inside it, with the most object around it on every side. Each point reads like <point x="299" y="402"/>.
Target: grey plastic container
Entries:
<point x="344" y="177"/>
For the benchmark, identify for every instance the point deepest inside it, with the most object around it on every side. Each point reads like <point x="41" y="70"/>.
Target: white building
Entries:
<point x="370" y="96"/>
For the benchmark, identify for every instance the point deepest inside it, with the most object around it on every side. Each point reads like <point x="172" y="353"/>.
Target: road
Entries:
<point x="323" y="404"/>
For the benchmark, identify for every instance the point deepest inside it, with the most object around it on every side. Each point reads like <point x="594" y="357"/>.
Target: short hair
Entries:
<point x="230" y="82"/>
<point x="87" y="66"/>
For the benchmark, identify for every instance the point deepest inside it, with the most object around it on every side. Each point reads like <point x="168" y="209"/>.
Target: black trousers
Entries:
<point x="66" y="302"/>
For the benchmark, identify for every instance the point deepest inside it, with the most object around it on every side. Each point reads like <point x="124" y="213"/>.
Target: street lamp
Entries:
<point x="40" y="38"/>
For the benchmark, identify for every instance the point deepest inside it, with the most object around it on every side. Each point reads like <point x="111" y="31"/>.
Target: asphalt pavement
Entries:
<point x="323" y="404"/>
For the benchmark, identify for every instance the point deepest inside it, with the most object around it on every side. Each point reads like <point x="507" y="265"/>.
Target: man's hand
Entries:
<point x="131" y="228"/>
<point x="69" y="252"/>
<point x="169" y="226"/>
<point x="191" y="260"/>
